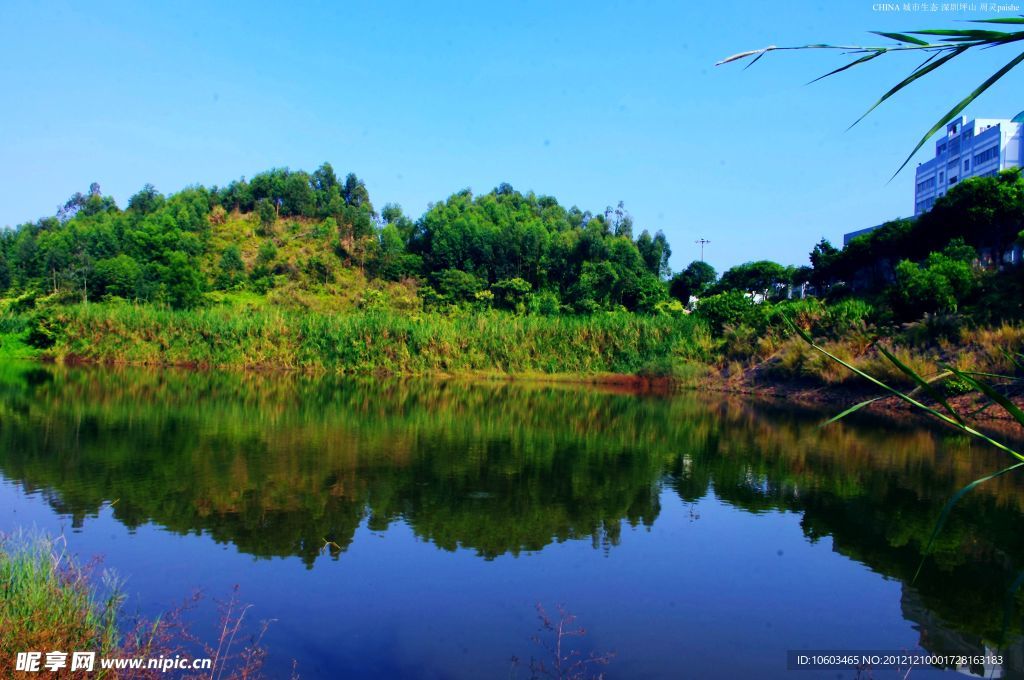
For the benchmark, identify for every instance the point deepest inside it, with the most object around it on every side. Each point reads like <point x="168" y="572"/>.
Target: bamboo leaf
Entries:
<point x="944" y="515"/>
<point x="927" y="61"/>
<point x="1000" y="376"/>
<point x="963" y="102"/>
<point x="921" y="382"/>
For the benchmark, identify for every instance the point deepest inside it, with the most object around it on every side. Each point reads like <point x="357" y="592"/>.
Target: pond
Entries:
<point x="409" y="529"/>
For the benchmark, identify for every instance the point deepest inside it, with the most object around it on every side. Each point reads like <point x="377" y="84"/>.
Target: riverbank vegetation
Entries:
<point x="53" y="605"/>
<point x="299" y="271"/>
<point x="49" y="604"/>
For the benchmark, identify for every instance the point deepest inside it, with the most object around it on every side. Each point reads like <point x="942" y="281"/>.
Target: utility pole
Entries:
<point x="701" y="242"/>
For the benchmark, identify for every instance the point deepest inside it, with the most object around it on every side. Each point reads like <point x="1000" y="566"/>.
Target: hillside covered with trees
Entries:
<point x="300" y="270"/>
<point x="317" y="238"/>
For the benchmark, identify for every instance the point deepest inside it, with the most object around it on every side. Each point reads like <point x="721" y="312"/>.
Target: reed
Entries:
<point x="370" y="341"/>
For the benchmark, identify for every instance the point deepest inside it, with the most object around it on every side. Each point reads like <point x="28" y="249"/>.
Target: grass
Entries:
<point x="51" y="603"/>
<point x="48" y="603"/>
<point x="370" y="341"/>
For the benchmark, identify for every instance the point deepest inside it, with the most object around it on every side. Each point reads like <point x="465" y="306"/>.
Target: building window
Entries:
<point x="986" y="155"/>
<point x="967" y="164"/>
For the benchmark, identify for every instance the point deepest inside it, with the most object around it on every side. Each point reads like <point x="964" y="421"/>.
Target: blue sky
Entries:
<point x="590" y="102"/>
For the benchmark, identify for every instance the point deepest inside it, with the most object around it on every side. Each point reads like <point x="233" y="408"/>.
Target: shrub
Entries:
<point x="218" y="215"/>
<point x="511" y="293"/>
<point x="731" y="308"/>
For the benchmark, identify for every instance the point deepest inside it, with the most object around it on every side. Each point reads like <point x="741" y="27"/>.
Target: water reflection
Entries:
<point x="292" y="466"/>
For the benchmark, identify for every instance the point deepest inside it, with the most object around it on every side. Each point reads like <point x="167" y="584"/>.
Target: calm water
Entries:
<point x="408" y="529"/>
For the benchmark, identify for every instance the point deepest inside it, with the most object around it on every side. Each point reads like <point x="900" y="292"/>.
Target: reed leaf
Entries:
<point x="992" y="394"/>
<point x="924" y="384"/>
<point x="852" y="409"/>
<point x="919" y="72"/>
<point x="962" y="105"/>
<point x="901" y="37"/>
<point x="944" y="515"/>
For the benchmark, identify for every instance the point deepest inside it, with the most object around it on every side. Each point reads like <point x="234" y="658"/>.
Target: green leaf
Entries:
<point x="755" y="60"/>
<point x="853" y="63"/>
<point x="901" y="37"/>
<point x="920" y="71"/>
<point x="1000" y="376"/>
<point x="1015" y="359"/>
<point x="1006" y="20"/>
<point x="987" y="36"/>
<point x="921" y="382"/>
<point x="944" y="515"/>
<point x="963" y="102"/>
<point x="852" y="409"/>
<point x="992" y="394"/>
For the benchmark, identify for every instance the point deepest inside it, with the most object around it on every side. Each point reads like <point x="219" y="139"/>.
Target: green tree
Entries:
<point x="730" y="308"/>
<point x="267" y="214"/>
<point x="184" y="282"/>
<point x="146" y="201"/>
<point x="764" y="277"/>
<point x="457" y="286"/>
<point x="692" y="281"/>
<point x="939" y="285"/>
<point x="823" y="260"/>
<point x="231" y="268"/>
<point x="655" y="252"/>
<point x="117" y="276"/>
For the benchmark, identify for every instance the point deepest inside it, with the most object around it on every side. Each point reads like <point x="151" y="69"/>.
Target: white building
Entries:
<point x="978" y="148"/>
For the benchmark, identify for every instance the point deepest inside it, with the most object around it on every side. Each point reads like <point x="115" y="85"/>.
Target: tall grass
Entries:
<point x="370" y="341"/>
<point x="48" y="603"/>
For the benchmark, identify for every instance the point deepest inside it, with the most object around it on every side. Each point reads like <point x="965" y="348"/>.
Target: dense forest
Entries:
<point x="504" y="249"/>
